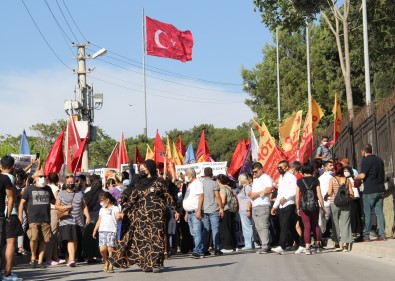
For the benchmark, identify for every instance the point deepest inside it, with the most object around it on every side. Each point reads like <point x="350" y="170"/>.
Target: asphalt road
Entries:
<point x="239" y="266"/>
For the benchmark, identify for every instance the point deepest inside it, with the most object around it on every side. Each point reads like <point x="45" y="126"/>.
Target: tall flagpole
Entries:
<point x="278" y="78"/>
<point x="308" y="64"/>
<point x="366" y="52"/>
<point x="145" y="86"/>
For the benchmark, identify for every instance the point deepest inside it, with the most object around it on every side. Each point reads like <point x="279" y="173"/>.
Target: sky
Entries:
<point x="34" y="82"/>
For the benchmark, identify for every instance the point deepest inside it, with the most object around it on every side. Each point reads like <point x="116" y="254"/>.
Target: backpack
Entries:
<point x="232" y="202"/>
<point x="309" y="200"/>
<point x="342" y="196"/>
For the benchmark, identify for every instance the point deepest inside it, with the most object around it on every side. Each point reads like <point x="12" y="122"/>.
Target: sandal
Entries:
<point x="106" y="264"/>
<point x="110" y="269"/>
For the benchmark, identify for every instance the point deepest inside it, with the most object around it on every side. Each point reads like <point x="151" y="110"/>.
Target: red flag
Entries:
<point x="159" y="149"/>
<point x="77" y="160"/>
<point x="73" y="142"/>
<point x="180" y="146"/>
<point x="123" y="157"/>
<point x="165" y="40"/>
<point x="203" y="153"/>
<point x="55" y="158"/>
<point x="237" y="158"/>
<point x="113" y="159"/>
<point x="138" y="159"/>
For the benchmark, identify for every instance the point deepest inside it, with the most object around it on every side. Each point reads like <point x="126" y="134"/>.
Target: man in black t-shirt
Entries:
<point x="38" y="197"/>
<point x="373" y="175"/>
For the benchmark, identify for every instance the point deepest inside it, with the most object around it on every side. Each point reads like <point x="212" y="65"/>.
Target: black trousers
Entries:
<point x="227" y="234"/>
<point x="287" y="220"/>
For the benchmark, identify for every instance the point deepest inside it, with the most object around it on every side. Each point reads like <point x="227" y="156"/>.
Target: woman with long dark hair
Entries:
<point x="143" y="241"/>
<point x="90" y="245"/>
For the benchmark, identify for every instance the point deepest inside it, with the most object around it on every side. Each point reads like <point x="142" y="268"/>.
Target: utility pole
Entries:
<point x="84" y="113"/>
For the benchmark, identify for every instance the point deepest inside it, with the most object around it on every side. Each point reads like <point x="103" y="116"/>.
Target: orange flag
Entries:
<point x="337" y="113"/>
<point x="202" y="152"/>
<point x="176" y="156"/>
<point x="159" y="149"/>
<point x="313" y="117"/>
<point x="289" y="135"/>
<point x="149" y="154"/>
<point x="169" y="155"/>
<point x="268" y="153"/>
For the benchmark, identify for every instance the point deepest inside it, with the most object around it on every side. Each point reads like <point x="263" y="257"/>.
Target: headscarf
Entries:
<point x="146" y="182"/>
<point x="92" y="196"/>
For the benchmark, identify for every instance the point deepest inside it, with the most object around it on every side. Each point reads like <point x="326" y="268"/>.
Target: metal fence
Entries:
<point x="374" y="124"/>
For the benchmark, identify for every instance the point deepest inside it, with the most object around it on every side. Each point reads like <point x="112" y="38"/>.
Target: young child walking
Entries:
<point x="107" y="227"/>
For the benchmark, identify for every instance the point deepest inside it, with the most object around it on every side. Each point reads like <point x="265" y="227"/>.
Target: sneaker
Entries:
<point x="308" y="252"/>
<point x="41" y="265"/>
<point x="197" y="256"/>
<point x="318" y="250"/>
<point x="218" y="253"/>
<point x="381" y="238"/>
<point x="246" y="249"/>
<point x="52" y="262"/>
<point x="11" y="277"/>
<point x="33" y="264"/>
<point x="262" y="251"/>
<point x="300" y="250"/>
<point x="278" y="250"/>
<point x="345" y="249"/>
<point x="156" y="270"/>
<point x="227" y="251"/>
<point x="61" y="261"/>
<point x="366" y="238"/>
<point x="71" y="264"/>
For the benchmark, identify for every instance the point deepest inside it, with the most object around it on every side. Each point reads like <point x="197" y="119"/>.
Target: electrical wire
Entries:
<point x="171" y="98"/>
<point x="169" y="81"/>
<point x="162" y="91"/>
<point x="57" y="23"/>
<point x="68" y="11"/>
<point x="163" y="71"/>
<point x="42" y="35"/>
<point x="64" y="17"/>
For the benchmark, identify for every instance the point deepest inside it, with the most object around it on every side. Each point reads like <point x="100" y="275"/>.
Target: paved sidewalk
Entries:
<point x="375" y="249"/>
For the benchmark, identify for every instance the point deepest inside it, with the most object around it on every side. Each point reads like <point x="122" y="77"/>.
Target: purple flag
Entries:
<point x="247" y="162"/>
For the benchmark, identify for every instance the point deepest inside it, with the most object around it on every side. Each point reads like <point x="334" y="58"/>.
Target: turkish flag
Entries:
<point x="55" y="158"/>
<point x="165" y="40"/>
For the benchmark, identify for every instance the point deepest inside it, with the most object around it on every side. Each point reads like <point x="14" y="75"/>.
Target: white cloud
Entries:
<point x="30" y="98"/>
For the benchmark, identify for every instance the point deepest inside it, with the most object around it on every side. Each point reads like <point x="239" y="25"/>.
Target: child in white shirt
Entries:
<point x="107" y="227"/>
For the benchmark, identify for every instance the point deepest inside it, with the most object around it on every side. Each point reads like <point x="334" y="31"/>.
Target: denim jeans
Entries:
<point x="370" y="201"/>
<point x="246" y="226"/>
<point x="196" y="228"/>
<point x="211" y="221"/>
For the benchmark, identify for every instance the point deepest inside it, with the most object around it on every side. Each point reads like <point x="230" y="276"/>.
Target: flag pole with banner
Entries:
<point x="144" y="77"/>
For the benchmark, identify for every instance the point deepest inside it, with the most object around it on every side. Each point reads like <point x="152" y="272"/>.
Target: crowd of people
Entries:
<point x="144" y="218"/>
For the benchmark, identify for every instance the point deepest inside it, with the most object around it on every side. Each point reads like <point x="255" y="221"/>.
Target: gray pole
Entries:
<point x="366" y="53"/>
<point x="84" y="99"/>
<point x="145" y="85"/>
<point x="308" y="65"/>
<point x="278" y="79"/>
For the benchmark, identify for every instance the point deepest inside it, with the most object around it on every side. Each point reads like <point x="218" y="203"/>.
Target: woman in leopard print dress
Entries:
<point x="142" y="241"/>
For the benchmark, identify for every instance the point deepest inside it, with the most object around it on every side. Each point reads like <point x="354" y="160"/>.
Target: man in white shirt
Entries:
<point x="285" y="204"/>
<point x="260" y="198"/>
<point x="193" y="203"/>
<point x="324" y="179"/>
